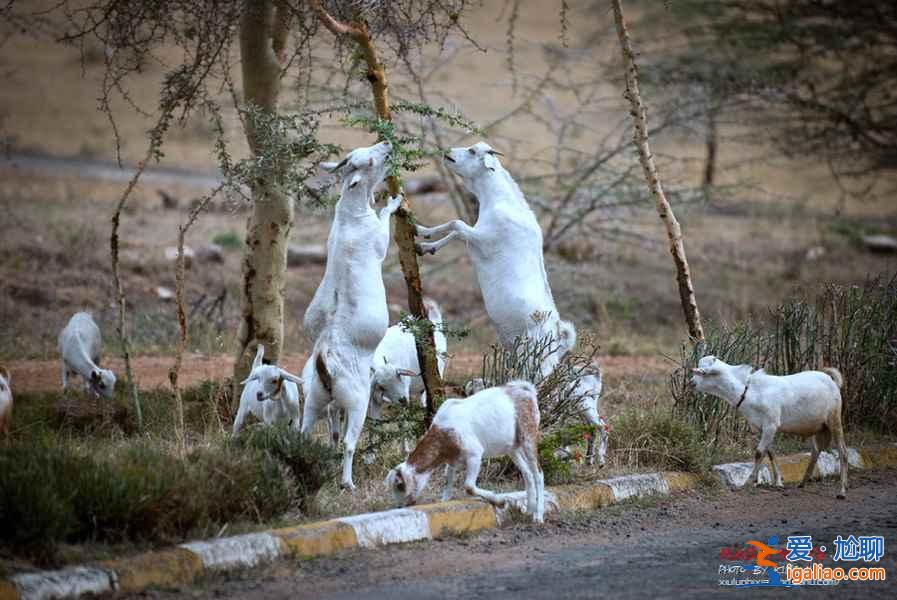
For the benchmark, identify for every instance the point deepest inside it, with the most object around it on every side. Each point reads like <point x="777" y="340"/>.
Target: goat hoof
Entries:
<point x="348" y="486"/>
<point x="419" y="250"/>
<point x="842" y="496"/>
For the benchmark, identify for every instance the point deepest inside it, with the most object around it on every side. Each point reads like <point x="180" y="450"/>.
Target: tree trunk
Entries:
<point x="404" y="222"/>
<point x="674" y="232"/>
<point x="268" y="226"/>
<point x="711" y="141"/>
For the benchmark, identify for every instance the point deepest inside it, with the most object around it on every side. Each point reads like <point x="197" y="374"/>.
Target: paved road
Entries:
<point x="666" y="550"/>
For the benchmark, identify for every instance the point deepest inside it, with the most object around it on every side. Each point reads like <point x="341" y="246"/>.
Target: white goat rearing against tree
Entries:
<point x="505" y="246"/>
<point x="495" y="422"/>
<point x="270" y="393"/>
<point x="80" y="346"/>
<point x="806" y="404"/>
<point x="348" y="315"/>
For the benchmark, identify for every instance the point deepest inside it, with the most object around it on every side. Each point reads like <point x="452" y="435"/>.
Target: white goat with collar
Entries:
<point x="348" y="315"/>
<point x="270" y="393"/>
<point x="806" y="404"/>
<point x="80" y="346"/>
<point x="505" y="246"/>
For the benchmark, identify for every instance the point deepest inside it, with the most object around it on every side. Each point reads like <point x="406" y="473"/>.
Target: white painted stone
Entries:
<point x="389" y="527"/>
<point x="238" y="551"/>
<point x="829" y="462"/>
<point x="518" y="500"/>
<point x="72" y="582"/>
<point x="735" y="475"/>
<point x="636" y="486"/>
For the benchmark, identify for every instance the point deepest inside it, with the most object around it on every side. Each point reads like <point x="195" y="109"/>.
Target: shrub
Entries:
<point x="311" y="463"/>
<point x="52" y="493"/>
<point x="658" y="439"/>
<point x="557" y="467"/>
<point x="558" y="401"/>
<point x="853" y="328"/>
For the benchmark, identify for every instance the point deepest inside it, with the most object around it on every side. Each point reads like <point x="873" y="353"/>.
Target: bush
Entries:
<point x="853" y="328"/>
<point x="311" y="463"/>
<point x="559" y="469"/>
<point x="659" y="439"/>
<point x="52" y="493"/>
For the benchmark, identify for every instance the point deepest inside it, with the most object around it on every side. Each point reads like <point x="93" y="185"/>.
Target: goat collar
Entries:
<point x="747" y="384"/>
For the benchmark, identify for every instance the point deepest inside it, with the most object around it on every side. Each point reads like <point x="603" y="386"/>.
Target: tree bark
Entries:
<point x="403" y="232"/>
<point x="711" y="142"/>
<point x="640" y="136"/>
<point x="262" y="32"/>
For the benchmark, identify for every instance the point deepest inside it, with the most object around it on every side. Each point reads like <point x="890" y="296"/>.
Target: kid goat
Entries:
<point x="495" y="422"/>
<point x="505" y="246"/>
<point x="270" y="393"/>
<point x="80" y="346"/>
<point x="806" y="404"/>
<point x="348" y="315"/>
<point x="395" y="376"/>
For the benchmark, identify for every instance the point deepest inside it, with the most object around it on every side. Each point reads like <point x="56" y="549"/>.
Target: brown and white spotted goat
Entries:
<point x="497" y="421"/>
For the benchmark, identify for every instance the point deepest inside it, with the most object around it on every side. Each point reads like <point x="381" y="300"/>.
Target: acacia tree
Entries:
<point x="273" y="40"/>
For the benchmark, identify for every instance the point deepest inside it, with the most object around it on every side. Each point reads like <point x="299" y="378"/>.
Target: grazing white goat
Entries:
<point x="270" y="393"/>
<point x="5" y="401"/>
<point x="80" y="345"/>
<point x="348" y="315"/>
<point x="806" y="404"/>
<point x="505" y="246"/>
<point x="588" y="389"/>
<point x="395" y="376"/>
<point x="495" y="422"/>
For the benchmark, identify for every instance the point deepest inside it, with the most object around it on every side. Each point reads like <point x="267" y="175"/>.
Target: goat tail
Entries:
<point x="566" y="335"/>
<point x="432" y="310"/>
<point x="835" y="374"/>
<point x="322" y="370"/>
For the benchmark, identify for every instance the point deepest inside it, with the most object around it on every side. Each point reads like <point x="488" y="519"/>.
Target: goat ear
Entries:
<point x="490" y="162"/>
<point x="250" y="378"/>
<point x="331" y="167"/>
<point x="6" y="376"/>
<point x="406" y="373"/>
<point x="291" y="377"/>
<point x="698" y="371"/>
<point x="356" y="179"/>
<point x="259" y="355"/>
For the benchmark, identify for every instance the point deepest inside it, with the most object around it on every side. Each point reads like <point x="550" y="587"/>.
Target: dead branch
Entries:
<point x="640" y="136"/>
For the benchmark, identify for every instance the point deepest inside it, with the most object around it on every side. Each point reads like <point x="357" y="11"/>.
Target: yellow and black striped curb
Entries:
<point x="183" y="564"/>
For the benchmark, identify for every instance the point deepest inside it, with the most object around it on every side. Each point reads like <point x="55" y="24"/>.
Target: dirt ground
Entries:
<point x="658" y="549"/>
<point x="152" y="371"/>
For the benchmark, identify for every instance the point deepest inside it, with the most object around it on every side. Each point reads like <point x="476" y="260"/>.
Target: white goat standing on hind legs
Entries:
<point x="806" y="404"/>
<point x="80" y="346"/>
<point x="348" y="315"/>
<point x="505" y="246"/>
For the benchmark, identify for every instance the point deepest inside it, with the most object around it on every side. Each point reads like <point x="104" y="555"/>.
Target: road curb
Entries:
<point x="183" y="564"/>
